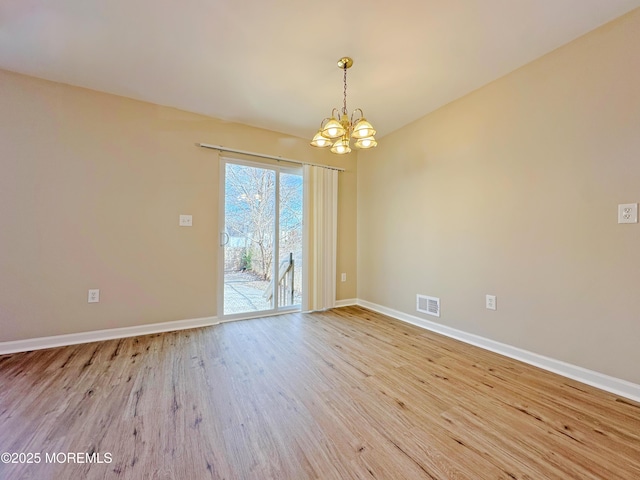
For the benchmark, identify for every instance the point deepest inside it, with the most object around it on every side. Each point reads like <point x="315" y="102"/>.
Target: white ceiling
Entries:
<point x="272" y="63"/>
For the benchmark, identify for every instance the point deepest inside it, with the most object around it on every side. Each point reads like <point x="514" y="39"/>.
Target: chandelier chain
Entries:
<point x="344" y="106"/>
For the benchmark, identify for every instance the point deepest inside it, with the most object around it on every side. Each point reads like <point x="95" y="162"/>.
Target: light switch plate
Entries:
<point x="628" y="213"/>
<point x="490" y="302"/>
<point x="186" y="221"/>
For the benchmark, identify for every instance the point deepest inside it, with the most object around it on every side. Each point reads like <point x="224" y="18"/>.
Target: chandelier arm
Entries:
<point x="357" y="118"/>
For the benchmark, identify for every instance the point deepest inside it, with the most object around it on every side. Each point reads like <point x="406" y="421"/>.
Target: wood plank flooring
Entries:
<point x="344" y="394"/>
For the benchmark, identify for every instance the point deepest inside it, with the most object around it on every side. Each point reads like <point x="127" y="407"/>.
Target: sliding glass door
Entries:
<point x="260" y="239"/>
<point x="290" y="239"/>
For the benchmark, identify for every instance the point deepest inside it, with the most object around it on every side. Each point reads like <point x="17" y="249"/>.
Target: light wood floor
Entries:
<point x="347" y="394"/>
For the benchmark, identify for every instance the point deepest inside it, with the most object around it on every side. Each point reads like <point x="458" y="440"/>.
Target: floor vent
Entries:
<point x="428" y="305"/>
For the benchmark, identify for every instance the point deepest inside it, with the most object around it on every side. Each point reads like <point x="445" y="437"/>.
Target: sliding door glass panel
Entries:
<point x="290" y="245"/>
<point x="249" y="239"/>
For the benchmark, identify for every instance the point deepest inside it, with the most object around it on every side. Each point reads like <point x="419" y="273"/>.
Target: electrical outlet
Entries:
<point x="343" y="277"/>
<point x="628" y="213"/>
<point x="94" y="295"/>
<point x="186" y="221"/>
<point x="491" y="302"/>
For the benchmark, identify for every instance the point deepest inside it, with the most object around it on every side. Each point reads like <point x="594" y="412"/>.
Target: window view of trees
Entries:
<point x="250" y="216"/>
<point x="250" y="219"/>
<point x="291" y="237"/>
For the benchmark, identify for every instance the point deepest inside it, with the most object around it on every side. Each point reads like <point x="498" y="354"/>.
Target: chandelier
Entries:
<point x="337" y="133"/>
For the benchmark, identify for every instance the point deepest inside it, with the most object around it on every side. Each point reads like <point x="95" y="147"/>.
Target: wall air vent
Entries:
<point x="428" y="305"/>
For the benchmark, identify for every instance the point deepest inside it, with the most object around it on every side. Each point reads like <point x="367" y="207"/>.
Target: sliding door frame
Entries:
<point x="277" y="169"/>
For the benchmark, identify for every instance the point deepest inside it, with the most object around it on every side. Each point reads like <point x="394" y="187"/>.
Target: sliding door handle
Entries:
<point x="224" y="239"/>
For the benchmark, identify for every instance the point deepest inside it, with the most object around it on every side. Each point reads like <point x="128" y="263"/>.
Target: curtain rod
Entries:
<point x="262" y="155"/>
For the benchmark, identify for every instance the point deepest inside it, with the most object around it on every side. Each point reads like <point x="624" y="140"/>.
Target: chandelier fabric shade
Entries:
<point x="341" y="146"/>
<point x="320" y="141"/>
<point x="336" y="131"/>
<point x="332" y="129"/>
<point x="363" y="129"/>
<point x="368" y="142"/>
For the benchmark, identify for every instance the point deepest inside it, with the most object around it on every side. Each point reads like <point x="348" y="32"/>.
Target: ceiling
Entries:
<point x="272" y="64"/>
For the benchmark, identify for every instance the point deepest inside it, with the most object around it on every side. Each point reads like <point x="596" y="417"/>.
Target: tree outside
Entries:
<point x="250" y="217"/>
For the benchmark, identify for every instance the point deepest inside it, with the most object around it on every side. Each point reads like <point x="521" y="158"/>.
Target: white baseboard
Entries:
<point x="100" y="335"/>
<point x="346" y="302"/>
<point x="599" y="380"/>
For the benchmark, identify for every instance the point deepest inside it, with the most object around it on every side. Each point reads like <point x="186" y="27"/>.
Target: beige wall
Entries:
<point x="513" y="191"/>
<point x="91" y="186"/>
